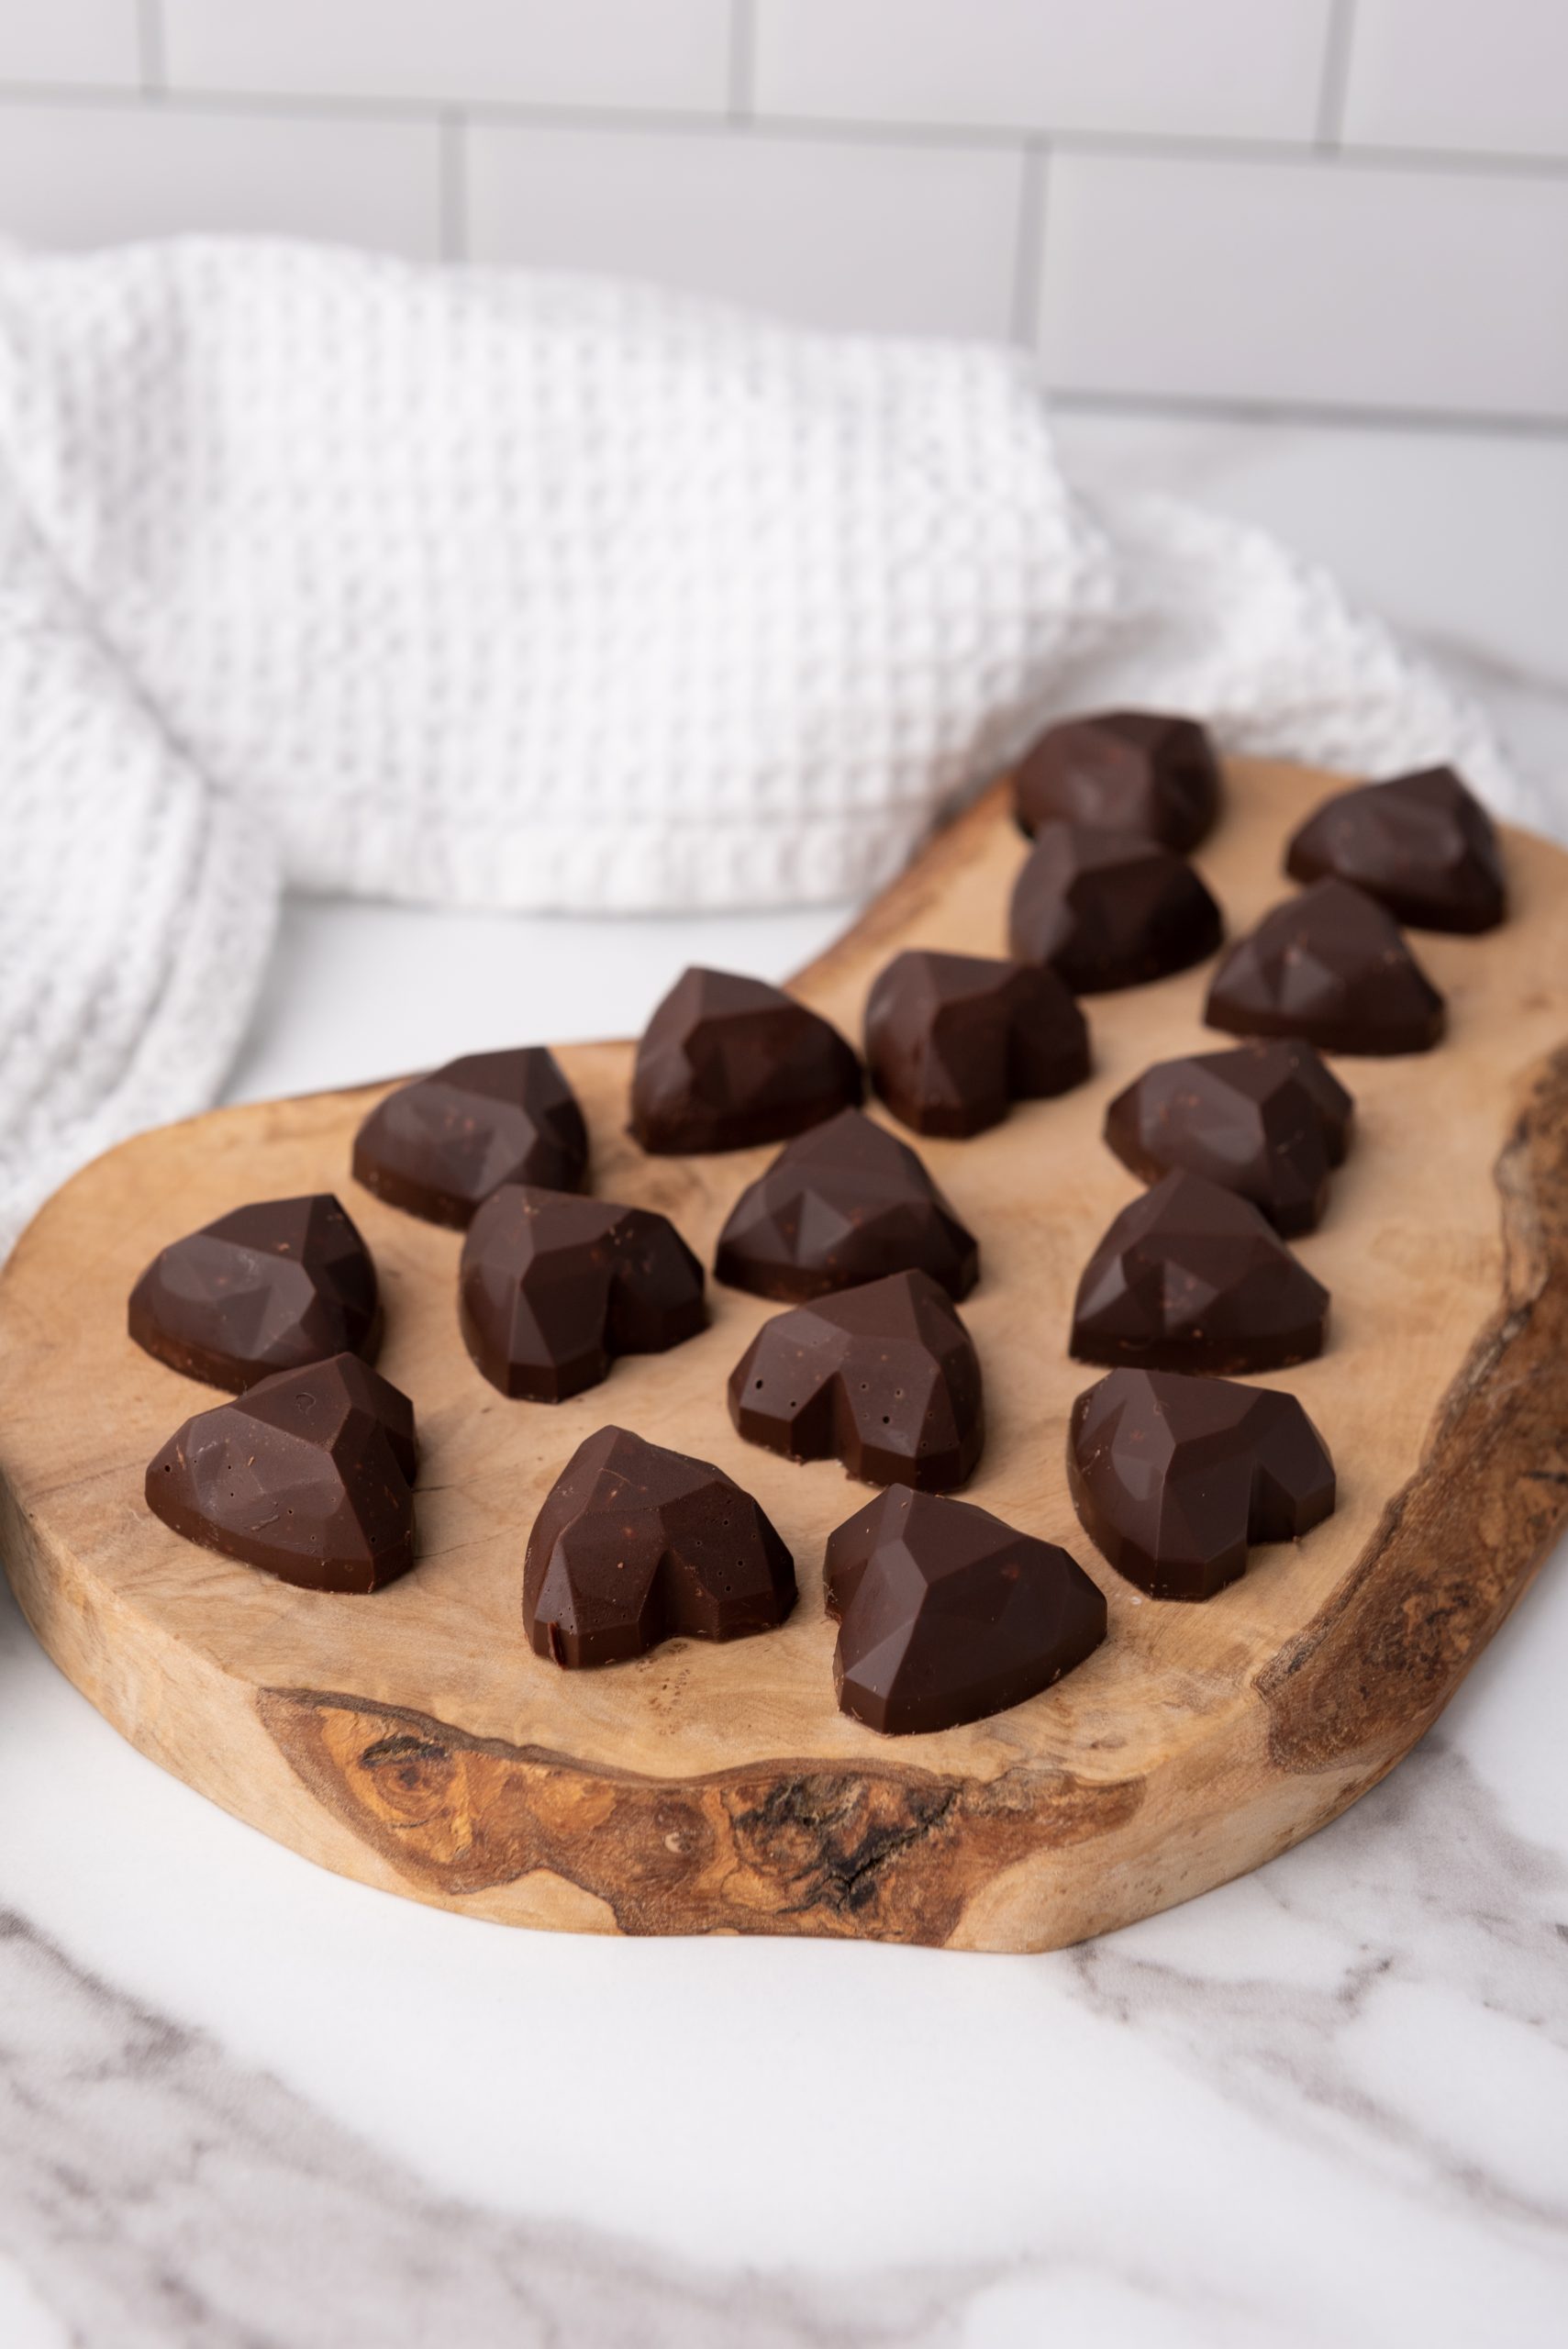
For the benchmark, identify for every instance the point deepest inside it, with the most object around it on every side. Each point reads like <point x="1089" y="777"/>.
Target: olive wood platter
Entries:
<point x="411" y="1739"/>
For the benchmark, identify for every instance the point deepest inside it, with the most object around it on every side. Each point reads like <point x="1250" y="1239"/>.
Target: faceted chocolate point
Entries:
<point x="845" y="1204"/>
<point x="439" y="1146"/>
<point x="946" y="1614"/>
<point x="1329" y="965"/>
<point x="308" y="1475"/>
<point x="884" y="1378"/>
<point x="268" y="1288"/>
<point x="1124" y="771"/>
<point x="726" y="1063"/>
<point x="635" y="1545"/>
<point x="952" y="1038"/>
<point x="1173" y="1476"/>
<point x="1191" y="1277"/>
<point x="1263" y="1119"/>
<point x="553" y="1287"/>
<point x="1109" y="909"/>
<point x="1423" y="845"/>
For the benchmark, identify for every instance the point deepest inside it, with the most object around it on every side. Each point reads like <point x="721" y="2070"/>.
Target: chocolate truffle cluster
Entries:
<point x="945" y="1614"/>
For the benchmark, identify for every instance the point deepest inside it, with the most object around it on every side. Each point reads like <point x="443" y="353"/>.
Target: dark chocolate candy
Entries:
<point x="265" y="1289"/>
<point x="1191" y="1277"/>
<point x="635" y="1545"/>
<point x="1107" y="909"/>
<point x="1125" y="770"/>
<point x="726" y="1063"/>
<point x="952" y="1038"/>
<point x="946" y="1614"/>
<point x="1332" y="966"/>
<point x="846" y="1203"/>
<point x="884" y="1378"/>
<point x="440" y="1145"/>
<point x="1265" y="1120"/>
<point x="1173" y="1475"/>
<point x="1421" y="845"/>
<point x="553" y="1287"/>
<point x="308" y="1475"/>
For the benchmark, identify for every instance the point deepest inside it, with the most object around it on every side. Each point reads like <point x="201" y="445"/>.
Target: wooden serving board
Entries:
<point x="411" y="1739"/>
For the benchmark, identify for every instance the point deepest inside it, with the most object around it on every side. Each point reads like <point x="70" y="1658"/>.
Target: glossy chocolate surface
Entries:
<point x="1265" y="1120"/>
<point x="726" y="1063"/>
<point x="552" y="1287"/>
<point x="884" y="1378"/>
<point x="635" y="1544"/>
<point x="308" y="1475"/>
<point x="1421" y="845"/>
<point x="952" y="1039"/>
<point x="266" y="1287"/>
<point x="1107" y="909"/>
<point x="844" y="1204"/>
<point x="1173" y="1477"/>
<point x="440" y="1145"/>
<point x="946" y="1614"/>
<point x="1125" y="770"/>
<point x="1191" y="1277"/>
<point x="1331" y="966"/>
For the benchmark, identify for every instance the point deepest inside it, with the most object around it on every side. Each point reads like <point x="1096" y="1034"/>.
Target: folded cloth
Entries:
<point x="471" y="587"/>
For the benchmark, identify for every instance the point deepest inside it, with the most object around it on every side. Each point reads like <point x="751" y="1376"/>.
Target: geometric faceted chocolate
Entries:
<point x="846" y="1203"/>
<point x="1173" y="1475"/>
<point x="1191" y="1277"/>
<point x="635" y="1544"/>
<point x="439" y="1146"/>
<point x="946" y="1614"/>
<point x="266" y="1287"/>
<point x="726" y="1063"/>
<point x="308" y="1475"/>
<point x="1332" y="966"/>
<point x="1264" y="1119"/>
<point x="884" y="1377"/>
<point x="1109" y="909"/>
<point x="1421" y="845"/>
<point x="552" y="1286"/>
<point x="952" y="1038"/>
<point x="1125" y="770"/>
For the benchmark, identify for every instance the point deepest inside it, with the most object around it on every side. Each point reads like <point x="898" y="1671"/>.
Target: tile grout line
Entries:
<point x="1334" y="87"/>
<point x="150" y="52"/>
<point x="741" y="83"/>
<point x="453" y="186"/>
<point x="1029" y="251"/>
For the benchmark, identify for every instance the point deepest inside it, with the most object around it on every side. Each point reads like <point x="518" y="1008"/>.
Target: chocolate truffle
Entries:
<point x="884" y="1378"/>
<point x="552" y="1287"/>
<point x="846" y="1203"/>
<point x="1125" y="770"/>
<point x="1423" y="845"/>
<point x="1174" y="1475"/>
<point x="1107" y="909"/>
<point x="440" y="1145"/>
<point x="265" y="1289"/>
<point x="308" y="1475"/>
<point x="726" y="1063"/>
<point x="635" y="1545"/>
<point x="1264" y="1119"/>
<point x="1191" y="1277"/>
<point x="952" y="1038"/>
<point x="1331" y="966"/>
<point x="946" y="1614"/>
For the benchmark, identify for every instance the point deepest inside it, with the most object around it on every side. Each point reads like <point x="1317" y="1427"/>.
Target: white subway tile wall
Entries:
<point x="1343" y="205"/>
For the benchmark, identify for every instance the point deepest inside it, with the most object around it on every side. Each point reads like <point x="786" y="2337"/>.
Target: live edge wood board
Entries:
<point x="412" y="1740"/>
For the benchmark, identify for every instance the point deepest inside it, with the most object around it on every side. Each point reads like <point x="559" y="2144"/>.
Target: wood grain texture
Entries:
<point x="412" y="1740"/>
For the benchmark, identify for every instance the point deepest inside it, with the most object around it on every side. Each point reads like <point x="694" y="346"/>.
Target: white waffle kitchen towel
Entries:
<point x="480" y="588"/>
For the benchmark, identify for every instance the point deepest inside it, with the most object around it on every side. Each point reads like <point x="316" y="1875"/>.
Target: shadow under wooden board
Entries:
<point x="411" y="1739"/>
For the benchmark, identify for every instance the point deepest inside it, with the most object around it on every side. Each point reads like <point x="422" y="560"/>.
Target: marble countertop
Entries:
<point x="250" y="2104"/>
